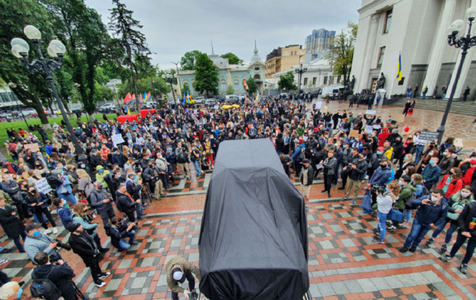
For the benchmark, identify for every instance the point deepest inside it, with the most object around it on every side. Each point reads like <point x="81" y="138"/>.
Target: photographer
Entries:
<point x="358" y="168"/>
<point x="83" y="245"/>
<point x="179" y="269"/>
<point x="431" y="212"/>
<point x="60" y="274"/>
<point x="379" y="178"/>
<point x="36" y="242"/>
<point x="385" y="200"/>
<point x="120" y="230"/>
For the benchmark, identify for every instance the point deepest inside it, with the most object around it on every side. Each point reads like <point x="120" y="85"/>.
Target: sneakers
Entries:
<point x="404" y="225"/>
<point x="3" y="261"/>
<point x="430" y="241"/>
<point x="134" y="243"/>
<point x="378" y="241"/>
<point x="55" y="230"/>
<point x="354" y="202"/>
<point x="403" y="249"/>
<point x="341" y="188"/>
<point x="7" y="250"/>
<point x="100" y="284"/>
<point x="375" y="231"/>
<point x="145" y="204"/>
<point x="48" y="231"/>
<point x="104" y="275"/>
<point x="324" y="191"/>
<point x="443" y="248"/>
<point x="412" y="249"/>
<point x="344" y="198"/>
<point x="391" y="228"/>
<point x="464" y="268"/>
<point x="446" y="258"/>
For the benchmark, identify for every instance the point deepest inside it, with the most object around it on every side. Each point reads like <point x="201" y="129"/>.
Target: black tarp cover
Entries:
<point x="253" y="237"/>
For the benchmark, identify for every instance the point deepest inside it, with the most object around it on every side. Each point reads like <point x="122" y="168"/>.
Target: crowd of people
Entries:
<point x="412" y="183"/>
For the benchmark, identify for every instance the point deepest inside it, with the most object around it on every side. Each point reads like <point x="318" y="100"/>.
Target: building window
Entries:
<point x="257" y="77"/>
<point x="338" y="79"/>
<point x="380" y="57"/>
<point x="257" y="69"/>
<point x="314" y="79"/>
<point x="325" y="79"/>
<point x="388" y="21"/>
<point x="305" y="81"/>
<point x="401" y="81"/>
<point x="223" y="85"/>
<point x="236" y="85"/>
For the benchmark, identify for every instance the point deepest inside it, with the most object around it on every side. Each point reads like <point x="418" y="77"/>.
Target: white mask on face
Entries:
<point x="434" y="199"/>
<point x="465" y="194"/>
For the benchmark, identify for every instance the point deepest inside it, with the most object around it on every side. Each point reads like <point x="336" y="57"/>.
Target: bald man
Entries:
<point x="10" y="291"/>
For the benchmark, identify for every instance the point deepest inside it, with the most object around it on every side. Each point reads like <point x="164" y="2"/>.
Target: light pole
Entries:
<point x="179" y="81"/>
<point x="463" y="42"/>
<point x="300" y="71"/>
<point x="76" y="86"/>
<point x="170" y="78"/>
<point x="56" y="50"/>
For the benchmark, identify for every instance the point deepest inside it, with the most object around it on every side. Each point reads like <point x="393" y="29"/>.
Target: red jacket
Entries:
<point x="455" y="185"/>
<point x="468" y="176"/>
<point x="382" y="138"/>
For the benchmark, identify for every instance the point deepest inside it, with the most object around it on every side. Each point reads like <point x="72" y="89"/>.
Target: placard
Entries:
<point x="369" y="128"/>
<point x="398" y="118"/>
<point x="429" y="136"/>
<point x="32" y="147"/>
<point x="458" y="143"/>
<point x="42" y="186"/>
<point x="376" y="126"/>
<point x="324" y="110"/>
<point x="370" y="112"/>
<point x="318" y="104"/>
<point x="117" y="139"/>
<point x="412" y="121"/>
<point x="354" y="133"/>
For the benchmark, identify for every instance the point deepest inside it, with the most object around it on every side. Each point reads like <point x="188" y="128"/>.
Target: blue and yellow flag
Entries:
<point x="128" y="112"/>
<point x="399" y="71"/>
<point x="144" y="98"/>
<point x="257" y="95"/>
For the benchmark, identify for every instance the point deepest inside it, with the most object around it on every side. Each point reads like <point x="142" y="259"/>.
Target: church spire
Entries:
<point x="213" y="53"/>
<point x="256" y="48"/>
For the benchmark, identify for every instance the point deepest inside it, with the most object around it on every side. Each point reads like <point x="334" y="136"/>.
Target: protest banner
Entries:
<point x="42" y="186"/>
<point x="117" y="139"/>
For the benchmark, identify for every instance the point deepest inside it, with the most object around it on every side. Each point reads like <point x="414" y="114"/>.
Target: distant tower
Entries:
<point x="256" y="57"/>
<point x="213" y="53"/>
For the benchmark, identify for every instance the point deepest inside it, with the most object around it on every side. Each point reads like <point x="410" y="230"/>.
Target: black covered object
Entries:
<point x="253" y="238"/>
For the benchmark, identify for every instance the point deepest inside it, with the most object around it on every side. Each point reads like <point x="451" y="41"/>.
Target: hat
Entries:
<point x="316" y="129"/>
<point x="385" y="129"/>
<point x="99" y="167"/>
<point x="96" y="183"/>
<point x="473" y="162"/>
<point x="380" y="148"/>
<point x="305" y="161"/>
<point x="72" y="226"/>
<point x="406" y="178"/>
<point x="177" y="275"/>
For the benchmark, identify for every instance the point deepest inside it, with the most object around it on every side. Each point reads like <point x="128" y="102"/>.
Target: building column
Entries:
<point x="466" y="66"/>
<point x="438" y="49"/>
<point x="369" y="50"/>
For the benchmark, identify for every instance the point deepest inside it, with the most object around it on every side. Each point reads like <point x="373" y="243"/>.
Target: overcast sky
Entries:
<point x="173" y="27"/>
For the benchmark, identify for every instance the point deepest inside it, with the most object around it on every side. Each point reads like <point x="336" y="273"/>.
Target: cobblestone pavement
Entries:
<point x="343" y="261"/>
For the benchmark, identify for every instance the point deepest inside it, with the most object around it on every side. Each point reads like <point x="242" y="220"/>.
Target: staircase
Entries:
<point x="458" y="107"/>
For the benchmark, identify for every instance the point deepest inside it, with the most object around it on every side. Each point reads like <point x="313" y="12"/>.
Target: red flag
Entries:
<point x="244" y="84"/>
<point x="127" y="98"/>
<point x="148" y="95"/>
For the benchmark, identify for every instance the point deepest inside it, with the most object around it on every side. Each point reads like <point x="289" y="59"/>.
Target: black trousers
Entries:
<point x="297" y="168"/>
<point x="39" y="212"/>
<point x="328" y="179"/>
<point x="22" y="210"/>
<point x="107" y="215"/>
<point x="165" y="180"/>
<point x="344" y="175"/>
<point x="191" y="285"/>
<point x="95" y="272"/>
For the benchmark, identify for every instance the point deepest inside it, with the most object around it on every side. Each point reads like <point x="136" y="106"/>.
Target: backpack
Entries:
<point x="302" y="155"/>
<point x="457" y="205"/>
<point x="44" y="288"/>
<point x="53" y="181"/>
<point x="412" y="198"/>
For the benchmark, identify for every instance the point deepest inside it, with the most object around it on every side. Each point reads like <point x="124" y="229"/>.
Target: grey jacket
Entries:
<point x="330" y="165"/>
<point x="161" y="165"/>
<point x="11" y="187"/>
<point x="97" y="198"/>
<point x="33" y="245"/>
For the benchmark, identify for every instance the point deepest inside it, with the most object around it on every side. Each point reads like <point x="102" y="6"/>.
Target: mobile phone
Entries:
<point x="93" y="214"/>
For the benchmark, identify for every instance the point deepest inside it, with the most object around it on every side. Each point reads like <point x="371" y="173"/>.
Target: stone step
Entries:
<point x="458" y="107"/>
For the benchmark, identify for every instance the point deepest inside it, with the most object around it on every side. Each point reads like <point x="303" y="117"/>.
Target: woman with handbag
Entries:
<point x="39" y="203"/>
<point x="457" y="202"/>
<point x="385" y="201"/>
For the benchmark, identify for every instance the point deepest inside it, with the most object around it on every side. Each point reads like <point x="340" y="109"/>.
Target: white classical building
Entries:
<point x="418" y="30"/>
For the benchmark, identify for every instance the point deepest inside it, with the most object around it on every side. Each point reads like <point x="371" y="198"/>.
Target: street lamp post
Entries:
<point x="170" y="78"/>
<point x="300" y="71"/>
<point x="463" y="42"/>
<point x="56" y="50"/>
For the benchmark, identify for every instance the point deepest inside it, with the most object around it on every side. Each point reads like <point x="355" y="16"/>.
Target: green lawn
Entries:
<point x="21" y="124"/>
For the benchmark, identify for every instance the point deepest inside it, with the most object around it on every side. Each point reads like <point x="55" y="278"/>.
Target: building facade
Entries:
<point x="229" y="74"/>
<point x="418" y="30"/>
<point x="319" y="41"/>
<point x="283" y="59"/>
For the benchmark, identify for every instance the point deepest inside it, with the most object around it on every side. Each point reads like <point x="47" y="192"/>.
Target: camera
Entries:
<point x="63" y="245"/>
<point x="378" y="189"/>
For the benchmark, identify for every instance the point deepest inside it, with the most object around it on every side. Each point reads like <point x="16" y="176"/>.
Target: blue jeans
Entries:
<point x="409" y="94"/>
<point x="418" y="151"/>
<point x="407" y="214"/>
<point x="423" y="96"/>
<point x="125" y="245"/>
<point x="17" y="241"/>
<point x="197" y="167"/>
<point x="417" y="234"/>
<point x="381" y="225"/>
<point x="139" y="210"/>
<point x="449" y="232"/>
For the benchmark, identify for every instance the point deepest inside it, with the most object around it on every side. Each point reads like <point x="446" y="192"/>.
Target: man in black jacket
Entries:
<point x="352" y="158"/>
<point x="119" y="230"/>
<point x="60" y="274"/>
<point x="126" y="202"/>
<point x="356" y="176"/>
<point x="83" y="245"/>
<point x="150" y="175"/>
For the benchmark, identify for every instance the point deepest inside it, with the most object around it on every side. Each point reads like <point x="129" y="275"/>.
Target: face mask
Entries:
<point x="400" y="182"/>
<point x="83" y="166"/>
<point x="445" y="153"/>
<point x="345" y="146"/>
<point x="387" y="190"/>
<point x="36" y="233"/>
<point x="434" y="199"/>
<point x="405" y="159"/>
<point x="134" y="178"/>
<point x="100" y="188"/>
<point x="20" y="291"/>
<point x="411" y="181"/>
<point x="465" y="194"/>
<point x="9" y="179"/>
<point x="60" y="171"/>
<point x="119" y="176"/>
<point x="432" y="162"/>
<point x="379" y="152"/>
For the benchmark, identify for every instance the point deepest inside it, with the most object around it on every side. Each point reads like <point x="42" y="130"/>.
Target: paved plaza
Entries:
<point x="343" y="261"/>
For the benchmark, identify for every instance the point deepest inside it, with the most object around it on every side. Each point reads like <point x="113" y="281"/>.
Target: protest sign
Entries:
<point x="117" y="139"/>
<point x="458" y="143"/>
<point x="32" y="147"/>
<point x="428" y="136"/>
<point x="412" y="121"/>
<point x="42" y="186"/>
<point x="369" y="129"/>
<point x="318" y="104"/>
<point x="354" y="133"/>
<point x="370" y="112"/>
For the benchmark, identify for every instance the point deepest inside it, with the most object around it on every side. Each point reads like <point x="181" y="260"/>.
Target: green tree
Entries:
<point x="186" y="88"/>
<point x="206" y="76"/>
<point x="30" y="87"/>
<point x="342" y="52"/>
<point x="232" y="58"/>
<point x="286" y="81"/>
<point x="189" y="59"/>
<point x="252" y="85"/>
<point x="132" y="41"/>
<point x="230" y="90"/>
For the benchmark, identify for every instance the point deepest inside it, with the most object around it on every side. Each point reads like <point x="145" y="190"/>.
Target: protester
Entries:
<point x="102" y="202"/>
<point x="12" y="226"/>
<point x="385" y="201"/>
<point x="119" y="230"/>
<point x="36" y="241"/>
